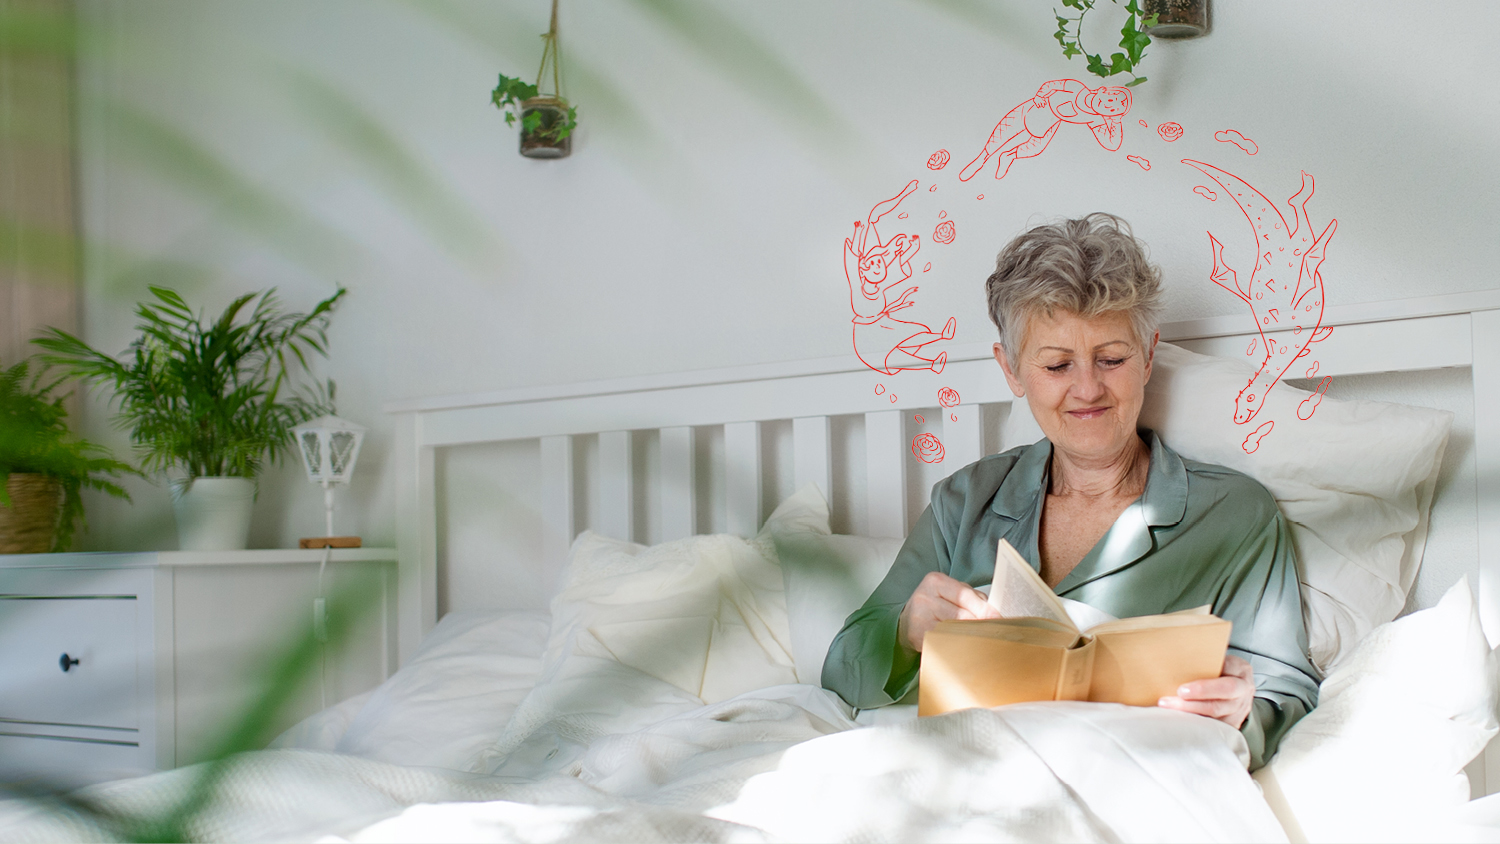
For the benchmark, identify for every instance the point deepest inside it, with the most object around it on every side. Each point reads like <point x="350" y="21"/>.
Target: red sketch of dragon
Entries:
<point x="1285" y="289"/>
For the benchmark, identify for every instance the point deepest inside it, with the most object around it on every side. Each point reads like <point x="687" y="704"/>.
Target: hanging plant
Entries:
<point x="1133" y="40"/>
<point x="547" y="120"/>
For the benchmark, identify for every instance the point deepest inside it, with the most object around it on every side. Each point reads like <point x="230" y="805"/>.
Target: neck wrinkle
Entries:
<point x="1124" y="476"/>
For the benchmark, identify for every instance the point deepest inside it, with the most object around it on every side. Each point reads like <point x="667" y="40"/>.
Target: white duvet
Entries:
<point x="785" y="763"/>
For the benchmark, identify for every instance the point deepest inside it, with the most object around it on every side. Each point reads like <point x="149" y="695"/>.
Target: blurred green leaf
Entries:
<point x="177" y="159"/>
<point x="386" y="161"/>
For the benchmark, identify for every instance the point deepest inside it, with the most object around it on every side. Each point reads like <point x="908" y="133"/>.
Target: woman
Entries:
<point x="1106" y="512"/>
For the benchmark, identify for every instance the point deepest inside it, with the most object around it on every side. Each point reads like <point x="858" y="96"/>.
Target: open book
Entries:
<point x="1037" y="652"/>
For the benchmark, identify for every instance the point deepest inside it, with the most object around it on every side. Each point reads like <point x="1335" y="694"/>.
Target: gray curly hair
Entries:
<point x="1089" y="266"/>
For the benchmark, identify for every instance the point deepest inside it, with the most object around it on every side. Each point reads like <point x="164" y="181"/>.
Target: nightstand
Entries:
<point x="114" y="665"/>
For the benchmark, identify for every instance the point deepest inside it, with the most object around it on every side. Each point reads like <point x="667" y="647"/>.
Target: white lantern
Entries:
<point x="330" y="448"/>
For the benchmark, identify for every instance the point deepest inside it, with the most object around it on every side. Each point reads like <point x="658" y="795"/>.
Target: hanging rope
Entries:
<point x="551" y="50"/>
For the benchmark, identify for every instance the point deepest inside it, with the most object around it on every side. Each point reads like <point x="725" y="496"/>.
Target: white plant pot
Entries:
<point x="213" y="514"/>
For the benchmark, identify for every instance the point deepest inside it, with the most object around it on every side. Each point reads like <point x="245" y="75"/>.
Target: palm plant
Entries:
<point x="34" y="440"/>
<point x="208" y="400"/>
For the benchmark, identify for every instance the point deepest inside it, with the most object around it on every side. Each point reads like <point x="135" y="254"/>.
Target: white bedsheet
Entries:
<point x="784" y="763"/>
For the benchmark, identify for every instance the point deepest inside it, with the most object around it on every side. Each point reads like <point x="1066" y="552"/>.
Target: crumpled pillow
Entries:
<point x="1382" y="756"/>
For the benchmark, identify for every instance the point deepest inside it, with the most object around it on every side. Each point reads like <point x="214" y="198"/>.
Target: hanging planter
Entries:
<point x="547" y="120"/>
<point x="1177" y="18"/>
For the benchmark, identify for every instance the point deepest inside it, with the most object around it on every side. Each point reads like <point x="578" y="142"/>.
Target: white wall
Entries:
<point x="715" y="173"/>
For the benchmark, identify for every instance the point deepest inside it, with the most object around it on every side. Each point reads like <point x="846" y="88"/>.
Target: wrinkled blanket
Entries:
<point x="785" y="763"/>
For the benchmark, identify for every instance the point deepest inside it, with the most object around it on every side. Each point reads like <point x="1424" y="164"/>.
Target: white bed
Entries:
<point x="669" y="694"/>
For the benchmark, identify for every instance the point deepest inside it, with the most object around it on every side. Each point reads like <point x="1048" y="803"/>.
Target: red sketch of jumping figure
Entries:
<point x="1285" y="290"/>
<point x="886" y="344"/>
<point x="1027" y="129"/>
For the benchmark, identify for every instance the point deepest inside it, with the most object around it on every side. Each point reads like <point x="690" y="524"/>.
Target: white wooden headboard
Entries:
<point x="1459" y="330"/>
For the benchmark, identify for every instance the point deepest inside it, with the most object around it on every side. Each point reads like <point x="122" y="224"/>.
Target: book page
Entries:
<point x="1019" y="592"/>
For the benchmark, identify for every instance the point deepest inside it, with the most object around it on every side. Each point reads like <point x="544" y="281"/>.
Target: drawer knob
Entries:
<point x="64" y="662"/>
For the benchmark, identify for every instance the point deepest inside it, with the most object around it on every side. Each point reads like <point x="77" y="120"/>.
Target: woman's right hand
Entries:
<point x="939" y="598"/>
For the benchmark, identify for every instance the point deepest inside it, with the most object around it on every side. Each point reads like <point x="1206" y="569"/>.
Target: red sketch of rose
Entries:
<point x="948" y="397"/>
<point x="937" y="160"/>
<point x="927" y="448"/>
<point x="945" y="232"/>
<point x="1169" y="131"/>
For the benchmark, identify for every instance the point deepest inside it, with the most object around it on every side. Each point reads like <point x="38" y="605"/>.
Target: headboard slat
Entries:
<point x="557" y="497"/>
<point x="742" y="477"/>
<point x="885" y="473"/>
<point x="616" y="484"/>
<point x="679" y="512"/>
<point x="963" y="436"/>
<point x="812" y="438"/>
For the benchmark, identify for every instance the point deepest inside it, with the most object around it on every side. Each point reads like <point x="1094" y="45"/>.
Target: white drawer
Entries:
<point x="99" y="631"/>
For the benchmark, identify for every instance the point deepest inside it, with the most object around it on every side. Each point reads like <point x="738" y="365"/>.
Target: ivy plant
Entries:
<point x="1133" y="39"/>
<point x="509" y="96"/>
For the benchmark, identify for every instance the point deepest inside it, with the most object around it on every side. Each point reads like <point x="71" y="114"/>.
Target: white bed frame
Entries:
<point x="1457" y="330"/>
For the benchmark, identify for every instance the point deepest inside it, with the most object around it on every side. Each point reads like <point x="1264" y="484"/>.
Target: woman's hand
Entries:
<point x="939" y="598"/>
<point x="1226" y="698"/>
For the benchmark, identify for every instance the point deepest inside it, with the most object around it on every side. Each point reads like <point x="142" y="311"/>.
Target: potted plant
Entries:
<point x="209" y="404"/>
<point x="42" y="469"/>
<point x="547" y="120"/>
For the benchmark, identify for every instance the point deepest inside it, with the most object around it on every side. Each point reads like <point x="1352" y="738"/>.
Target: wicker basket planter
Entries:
<point x="29" y="524"/>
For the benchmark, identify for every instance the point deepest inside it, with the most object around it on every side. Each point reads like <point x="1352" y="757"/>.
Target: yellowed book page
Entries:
<point x="1032" y="631"/>
<point x="962" y="671"/>
<point x="1018" y="591"/>
<point x="1142" y="665"/>
<point x="1141" y="622"/>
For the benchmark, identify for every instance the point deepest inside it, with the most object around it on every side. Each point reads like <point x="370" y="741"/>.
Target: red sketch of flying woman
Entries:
<point x="1027" y="129"/>
<point x="873" y="268"/>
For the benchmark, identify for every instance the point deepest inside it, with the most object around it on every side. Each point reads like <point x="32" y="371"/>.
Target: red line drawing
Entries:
<point x="902" y="216"/>
<point x="873" y="268"/>
<point x="933" y="188"/>
<point x="1312" y="371"/>
<point x="948" y="397"/>
<point x="879" y="389"/>
<point x="1250" y="350"/>
<point x="1143" y="124"/>
<point x="942" y="215"/>
<point x="953" y="416"/>
<point x="945" y="232"/>
<point x="1145" y="165"/>
<point x="1252" y="440"/>
<point x="937" y="160"/>
<point x="1309" y="405"/>
<point x="981" y="196"/>
<point x="1231" y="136"/>
<point x="1169" y="132"/>
<point x="893" y="398"/>
<point x="1271" y="289"/>
<point x="927" y="448"/>
<point x="1206" y="193"/>
<point x="920" y="420"/>
<point x="1026" y="130"/>
<point x="928" y="267"/>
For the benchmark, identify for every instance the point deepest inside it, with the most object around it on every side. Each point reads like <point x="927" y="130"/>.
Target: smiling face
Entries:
<point x="1084" y="379"/>
<point x="872" y="267"/>
<point x="1111" y="100"/>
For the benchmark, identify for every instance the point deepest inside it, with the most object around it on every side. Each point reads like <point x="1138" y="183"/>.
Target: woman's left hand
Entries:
<point x="1226" y="698"/>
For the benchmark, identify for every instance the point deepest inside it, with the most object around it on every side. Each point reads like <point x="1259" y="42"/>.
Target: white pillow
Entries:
<point x="1381" y="758"/>
<point x="1355" y="481"/>
<point x="827" y="577"/>
<point x="706" y="614"/>
<point x="455" y="695"/>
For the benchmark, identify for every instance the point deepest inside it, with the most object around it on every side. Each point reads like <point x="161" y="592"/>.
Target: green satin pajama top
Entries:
<point x="1199" y="534"/>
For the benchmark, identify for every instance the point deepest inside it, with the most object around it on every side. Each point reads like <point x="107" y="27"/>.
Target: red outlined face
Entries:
<point x="1112" y="101"/>
<point x="872" y="267"/>
<point x="1084" y="379"/>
